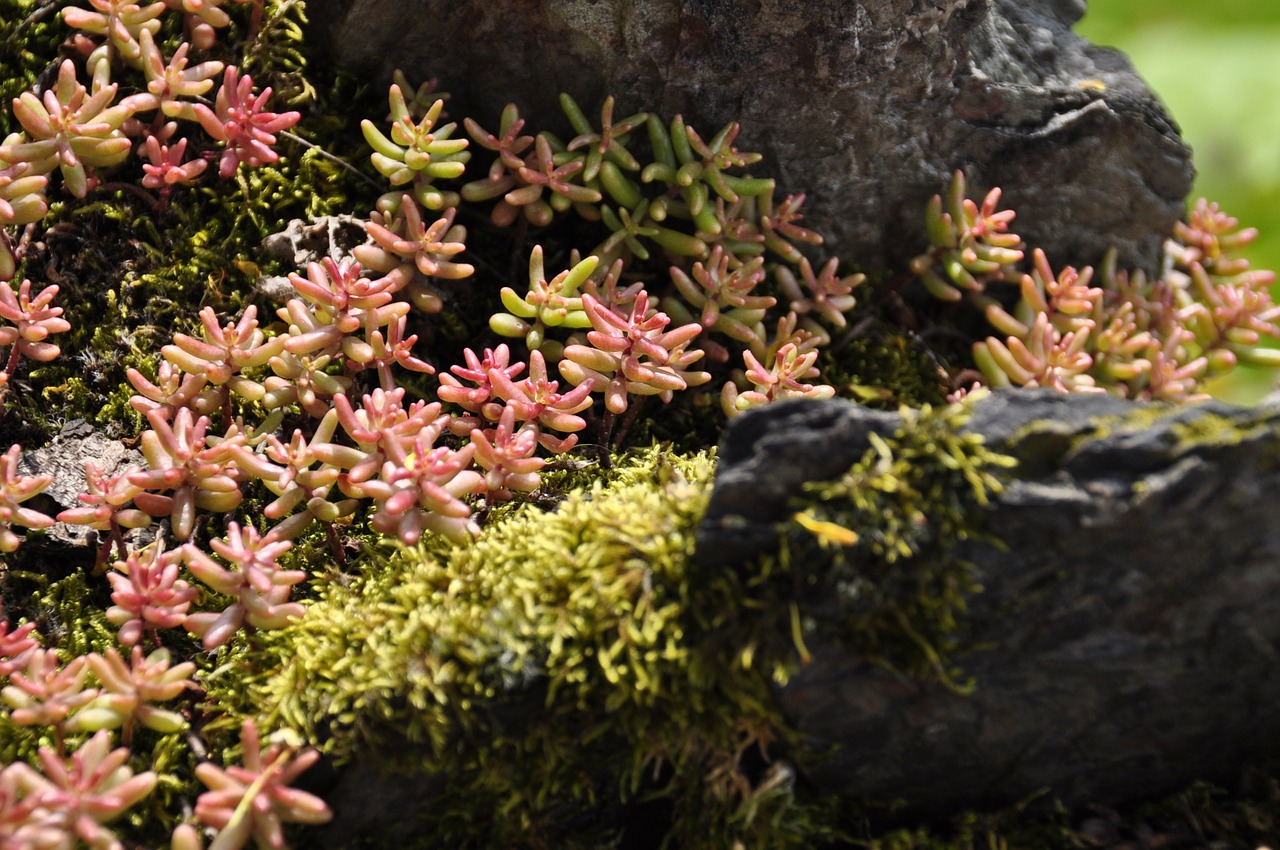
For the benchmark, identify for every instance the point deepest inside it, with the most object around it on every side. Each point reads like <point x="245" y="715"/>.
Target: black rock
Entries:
<point x="867" y="107"/>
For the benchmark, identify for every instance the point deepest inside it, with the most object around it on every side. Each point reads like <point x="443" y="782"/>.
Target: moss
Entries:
<point x="883" y="367"/>
<point x="563" y="661"/>
<point x="870" y="554"/>
<point x="570" y="664"/>
<point x="1043" y="446"/>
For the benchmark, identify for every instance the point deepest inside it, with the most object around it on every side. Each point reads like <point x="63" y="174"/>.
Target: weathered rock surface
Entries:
<point x="866" y="106"/>
<point x="64" y="458"/>
<point x="1129" y="628"/>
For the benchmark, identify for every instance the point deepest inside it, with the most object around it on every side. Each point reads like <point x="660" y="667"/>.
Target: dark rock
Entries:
<point x="866" y="106"/>
<point x="1129" y="628"/>
<point x="765" y="460"/>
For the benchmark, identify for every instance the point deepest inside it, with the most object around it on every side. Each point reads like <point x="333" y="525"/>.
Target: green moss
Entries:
<point x="1043" y="446"/>
<point x="562" y="661"/>
<point x="896" y="594"/>
<point x="569" y="664"/>
<point x="883" y="367"/>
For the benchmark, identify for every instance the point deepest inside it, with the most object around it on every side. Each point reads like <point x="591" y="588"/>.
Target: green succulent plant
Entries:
<point x="547" y="304"/>
<point x="417" y="153"/>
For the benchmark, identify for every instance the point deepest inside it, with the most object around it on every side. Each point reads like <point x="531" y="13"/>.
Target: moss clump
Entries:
<point x="550" y="675"/>
<point x="569" y="669"/>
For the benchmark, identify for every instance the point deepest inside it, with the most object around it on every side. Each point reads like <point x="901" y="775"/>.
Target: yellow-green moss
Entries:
<point x="618" y="670"/>
<point x="897" y="594"/>
<point x="1043" y="445"/>
<point x="617" y="673"/>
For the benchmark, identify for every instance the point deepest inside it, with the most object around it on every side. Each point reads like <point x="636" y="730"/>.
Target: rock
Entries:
<point x="64" y="458"/>
<point x="868" y="107"/>
<point x="303" y="242"/>
<point x="1125" y="641"/>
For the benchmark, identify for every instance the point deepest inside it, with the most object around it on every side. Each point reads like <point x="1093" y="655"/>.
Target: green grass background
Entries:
<point x="1216" y="66"/>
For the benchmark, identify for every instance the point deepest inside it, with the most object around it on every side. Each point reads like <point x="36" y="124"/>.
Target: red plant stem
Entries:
<point x="633" y="410"/>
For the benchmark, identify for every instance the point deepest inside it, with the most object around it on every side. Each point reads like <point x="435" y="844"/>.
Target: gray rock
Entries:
<point x="64" y="458"/>
<point x="866" y="106"/>
<point x="1128" y="631"/>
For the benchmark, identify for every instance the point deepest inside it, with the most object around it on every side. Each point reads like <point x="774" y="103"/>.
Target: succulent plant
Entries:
<point x="409" y="252"/>
<point x="723" y="295"/>
<point x="166" y="167"/>
<point x="148" y="594"/>
<point x="240" y="120"/>
<point x="481" y="373"/>
<point x="970" y="244"/>
<point x="417" y="153"/>
<point x="32" y="320"/>
<point x="200" y="475"/>
<point x="252" y="800"/>
<point x="538" y="400"/>
<point x="69" y="129"/>
<point x="224" y="351"/>
<point x="507" y="456"/>
<point x="260" y="587"/>
<point x="287" y="471"/>
<point x="553" y="303"/>
<point x="130" y="688"/>
<point x="783" y="377"/>
<point x="174" y="389"/>
<point x="501" y="179"/>
<point x="121" y="22"/>
<point x="22" y="201"/>
<point x="14" y="490"/>
<point x="633" y="354"/>
<point x="15" y="646"/>
<point x="337" y="301"/>
<point x="203" y="18"/>
<point x="606" y="149"/>
<point x="1129" y="336"/>
<point x="76" y="796"/>
<point x="47" y="692"/>
<point x="171" y="86"/>
<point x="825" y="293"/>
<point x="420" y="488"/>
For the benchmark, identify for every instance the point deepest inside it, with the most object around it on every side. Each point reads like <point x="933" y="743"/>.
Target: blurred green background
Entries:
<point x="1217" y="68"/>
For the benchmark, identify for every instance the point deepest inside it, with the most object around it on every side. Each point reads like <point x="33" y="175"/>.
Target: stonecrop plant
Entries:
<point x="1103" y="330"/>
<point x="337" y="415"/>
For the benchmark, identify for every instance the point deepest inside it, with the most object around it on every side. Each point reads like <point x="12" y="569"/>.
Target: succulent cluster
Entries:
<point x="318" y="418"/>
<point x="729" y="249"/>
<point x="307" y="415"/>
<point x="77" y="780"/>
<point x="1103" y="330"/>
